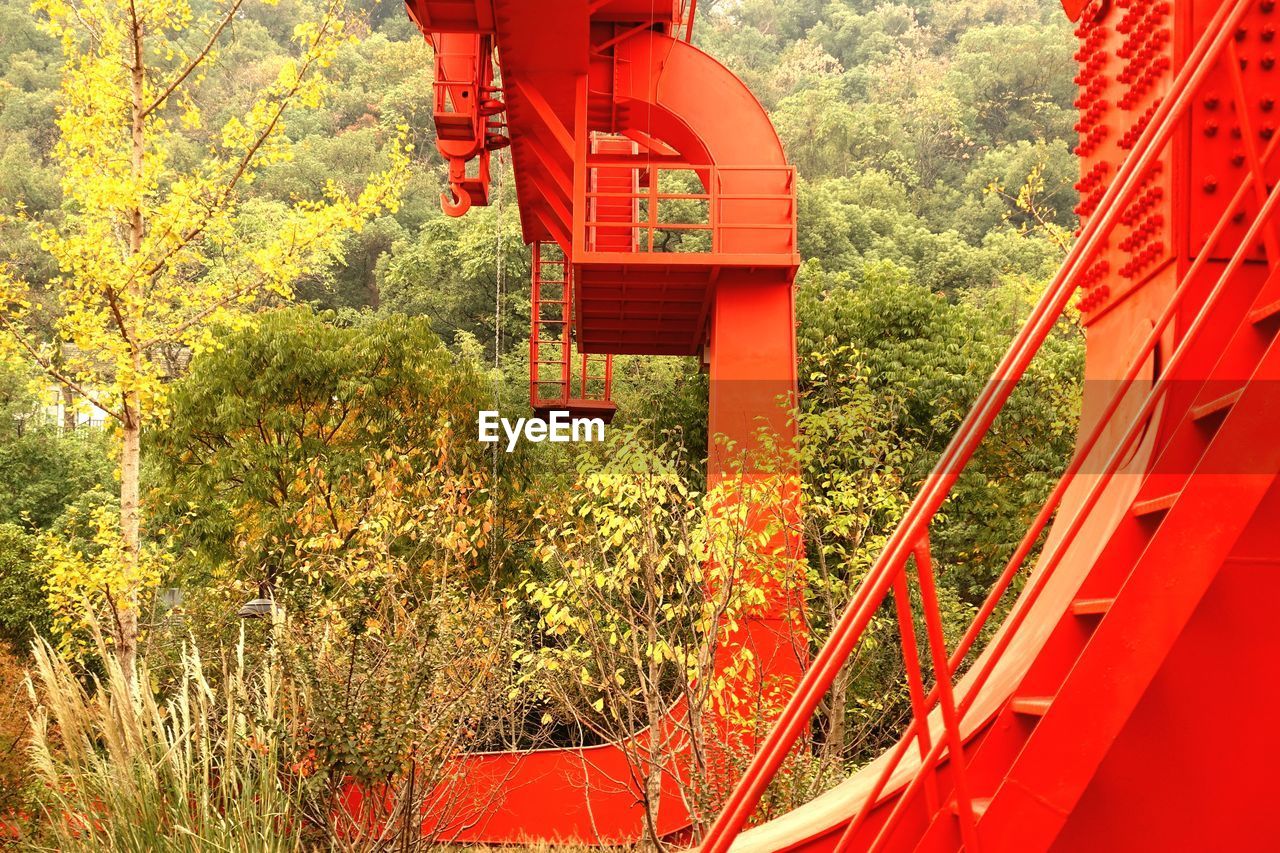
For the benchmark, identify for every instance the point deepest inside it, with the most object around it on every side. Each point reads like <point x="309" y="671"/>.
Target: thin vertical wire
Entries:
<point x="499" y="267"/>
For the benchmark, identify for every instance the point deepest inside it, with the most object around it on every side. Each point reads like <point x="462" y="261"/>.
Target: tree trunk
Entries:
<point x="127" y="600"/>
<point x="127" y="603"/>
<point x="68" y="410"/>
<point x="837" y="714"/>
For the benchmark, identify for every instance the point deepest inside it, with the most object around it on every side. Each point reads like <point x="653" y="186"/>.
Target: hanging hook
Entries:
<point x="455" y="201"/>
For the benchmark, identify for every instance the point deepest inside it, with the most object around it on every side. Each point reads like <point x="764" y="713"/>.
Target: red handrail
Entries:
<point x="912" y="531"/>
<point x="1114" y="462"/>
<point x="714" y="196"/>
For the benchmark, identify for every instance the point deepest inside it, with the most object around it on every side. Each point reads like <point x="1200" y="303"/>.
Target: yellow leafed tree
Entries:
<point x="155" y="250"/>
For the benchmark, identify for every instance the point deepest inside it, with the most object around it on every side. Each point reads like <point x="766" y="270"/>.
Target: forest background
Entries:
<point x="315" y="441"/>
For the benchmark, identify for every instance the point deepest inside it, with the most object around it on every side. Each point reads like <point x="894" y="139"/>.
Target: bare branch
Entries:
<point x="196" y="61"/>
<point x="53" y="371"/>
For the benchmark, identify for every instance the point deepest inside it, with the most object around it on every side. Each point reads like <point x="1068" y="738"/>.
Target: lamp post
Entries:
<point x="256" y="608"/>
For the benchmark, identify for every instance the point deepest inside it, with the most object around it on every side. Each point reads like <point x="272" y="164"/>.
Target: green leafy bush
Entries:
<point x="24" y="610"/>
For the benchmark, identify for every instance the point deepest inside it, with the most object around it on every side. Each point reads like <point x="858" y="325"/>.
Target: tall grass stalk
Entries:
<point x="118" y="770"/>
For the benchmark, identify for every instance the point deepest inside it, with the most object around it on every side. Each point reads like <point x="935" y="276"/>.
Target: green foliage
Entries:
<point x="449" y="271"/>
<point x="42" y="472"/>
<point x="642" y="585"/>
<point x="1010" y="79"/>
<point x="311" y="457"/>
<point x="625" y="567"/>
<point x="24" y="611"/>
<point x="927" y="359"/>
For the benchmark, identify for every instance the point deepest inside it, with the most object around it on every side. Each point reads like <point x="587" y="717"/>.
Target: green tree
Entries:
<point x="24" y="610"/>
<point x="929" y="358"/>
<point x="154" y="248"/>
<point x="642" y="581"/>
<point x="311" y="460"/>
<point x="452" y="271"/>
<point x="1014" y="81"/>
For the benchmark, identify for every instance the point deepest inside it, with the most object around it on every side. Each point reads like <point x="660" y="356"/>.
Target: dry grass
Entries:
<point x="118" y="771"/>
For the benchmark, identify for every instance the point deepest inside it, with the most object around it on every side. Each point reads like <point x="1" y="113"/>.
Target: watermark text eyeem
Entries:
<point x="558" y="427"/>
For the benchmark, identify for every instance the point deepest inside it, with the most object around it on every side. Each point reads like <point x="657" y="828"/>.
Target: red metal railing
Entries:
<point x="738" y="202"/>
<point x="595" y="377"/>
<point x="911" y="538"/>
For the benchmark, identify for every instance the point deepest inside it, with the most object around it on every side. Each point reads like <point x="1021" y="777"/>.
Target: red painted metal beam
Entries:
<point x="573" y="75"/>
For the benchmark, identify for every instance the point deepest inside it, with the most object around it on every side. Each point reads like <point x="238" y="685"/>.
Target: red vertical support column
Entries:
<point x="752" y="475"/>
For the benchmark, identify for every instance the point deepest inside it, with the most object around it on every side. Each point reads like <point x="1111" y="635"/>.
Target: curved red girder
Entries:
<point x="569" y="72"/>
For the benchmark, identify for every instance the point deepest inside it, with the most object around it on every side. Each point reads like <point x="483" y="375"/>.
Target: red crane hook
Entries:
<point x="455" y="201"/>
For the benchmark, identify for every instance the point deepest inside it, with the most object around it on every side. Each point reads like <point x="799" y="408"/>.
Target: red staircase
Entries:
<point x="1127" y="701"/>
<point x="552" y="385"/>
<point x="614" y="196"/>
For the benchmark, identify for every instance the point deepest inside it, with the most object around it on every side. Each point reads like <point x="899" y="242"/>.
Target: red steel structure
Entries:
<point x="1126" y="701"/>
<point x="662" y="215"/>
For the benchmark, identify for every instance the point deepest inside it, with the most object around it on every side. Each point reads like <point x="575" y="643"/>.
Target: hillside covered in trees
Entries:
<point x="311" y="435"/>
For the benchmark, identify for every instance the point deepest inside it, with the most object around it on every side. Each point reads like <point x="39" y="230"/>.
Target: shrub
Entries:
<point x="24" y="610"/>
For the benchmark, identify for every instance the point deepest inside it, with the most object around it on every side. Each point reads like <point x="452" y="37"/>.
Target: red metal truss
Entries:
<point x="1086" y="722"/>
